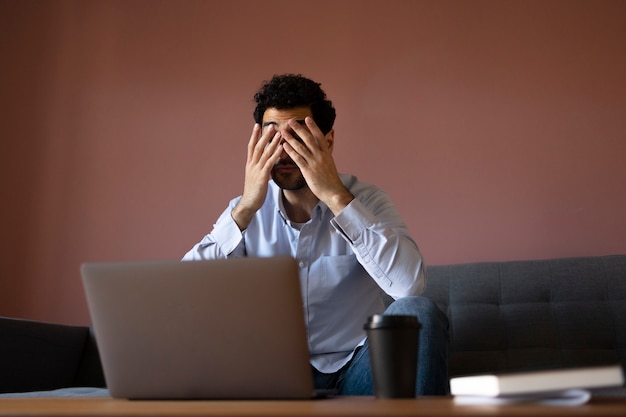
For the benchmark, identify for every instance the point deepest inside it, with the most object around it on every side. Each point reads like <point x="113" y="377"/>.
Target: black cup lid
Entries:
<point x="381" y="321"/>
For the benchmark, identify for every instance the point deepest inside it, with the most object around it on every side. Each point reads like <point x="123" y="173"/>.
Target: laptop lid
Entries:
<point x="224" y="329"/>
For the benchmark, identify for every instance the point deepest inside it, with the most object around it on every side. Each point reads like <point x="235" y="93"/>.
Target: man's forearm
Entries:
<point x="225" y="240"/>
<point x="384" y="248"/>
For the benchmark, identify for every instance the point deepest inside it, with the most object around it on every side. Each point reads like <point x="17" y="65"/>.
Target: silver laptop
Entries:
<point x="222" y="329"/>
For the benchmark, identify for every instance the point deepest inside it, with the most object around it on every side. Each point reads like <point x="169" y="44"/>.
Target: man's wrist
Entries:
<point x="242" y="216"/>
<point x="339" y="201"/>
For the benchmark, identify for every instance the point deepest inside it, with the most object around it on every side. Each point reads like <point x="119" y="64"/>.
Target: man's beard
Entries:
<point x="292" y="182"/>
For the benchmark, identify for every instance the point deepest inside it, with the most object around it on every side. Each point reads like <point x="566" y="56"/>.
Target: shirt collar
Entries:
<point x="320" y="208"/>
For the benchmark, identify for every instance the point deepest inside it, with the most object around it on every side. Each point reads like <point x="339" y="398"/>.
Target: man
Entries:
<point x="347" y="236"/>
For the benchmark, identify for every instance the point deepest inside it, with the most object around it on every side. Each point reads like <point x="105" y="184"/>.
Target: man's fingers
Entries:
<point x="254" y="137"/>
<point x="276" y="151"/>
<point x="262" y="142"/>
<point x="316" y="132"/>
<point x="306" y="136"/>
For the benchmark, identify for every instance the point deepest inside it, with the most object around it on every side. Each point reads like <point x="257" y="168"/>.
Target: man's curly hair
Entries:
<point x="287" y="91"/>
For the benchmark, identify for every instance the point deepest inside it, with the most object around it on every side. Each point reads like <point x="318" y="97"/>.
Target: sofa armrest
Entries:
<point x="90" y="372"/>
<point x="37" y="356"/>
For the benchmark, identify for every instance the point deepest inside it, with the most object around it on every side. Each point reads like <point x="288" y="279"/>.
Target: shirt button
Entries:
<point x="301" y="264"/>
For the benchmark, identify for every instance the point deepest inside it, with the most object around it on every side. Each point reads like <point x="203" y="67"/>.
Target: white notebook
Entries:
<point x="537" y="382"/>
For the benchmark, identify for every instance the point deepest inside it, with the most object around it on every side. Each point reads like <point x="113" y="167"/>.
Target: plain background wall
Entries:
<point x="498" y="127"/>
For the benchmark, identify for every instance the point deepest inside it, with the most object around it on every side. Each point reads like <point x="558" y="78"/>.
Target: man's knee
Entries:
<point x="410" y="305"/>
<point x="424" y="308"/>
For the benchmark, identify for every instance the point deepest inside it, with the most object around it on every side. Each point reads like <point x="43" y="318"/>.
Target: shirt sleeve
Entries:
<point x="224" y="241"/>
<point x="383" y="245"/>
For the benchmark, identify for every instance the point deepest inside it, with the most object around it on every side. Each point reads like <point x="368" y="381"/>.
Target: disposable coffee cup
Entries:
<point x="393" y="341"/>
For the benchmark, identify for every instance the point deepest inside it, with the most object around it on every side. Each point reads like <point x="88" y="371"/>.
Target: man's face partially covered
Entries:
<point x="286" y="173"/>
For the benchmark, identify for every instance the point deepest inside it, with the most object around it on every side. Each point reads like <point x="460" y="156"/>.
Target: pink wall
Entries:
<point x="498" y="127"/>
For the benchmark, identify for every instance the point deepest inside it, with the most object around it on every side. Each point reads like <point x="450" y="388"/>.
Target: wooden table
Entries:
<point x="343" y="406"/>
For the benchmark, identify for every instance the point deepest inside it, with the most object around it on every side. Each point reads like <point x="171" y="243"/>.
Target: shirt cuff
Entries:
<point x="353" y="219"/>
<point x="227" y="235"/>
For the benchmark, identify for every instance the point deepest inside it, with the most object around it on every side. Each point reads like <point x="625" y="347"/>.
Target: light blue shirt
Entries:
<point x="344" y="261"/>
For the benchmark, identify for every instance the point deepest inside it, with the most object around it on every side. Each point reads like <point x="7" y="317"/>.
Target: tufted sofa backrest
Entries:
<point x="525" y="315"/>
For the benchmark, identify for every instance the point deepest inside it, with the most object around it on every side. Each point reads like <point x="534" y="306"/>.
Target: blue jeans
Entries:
<point x="432" y="357"/>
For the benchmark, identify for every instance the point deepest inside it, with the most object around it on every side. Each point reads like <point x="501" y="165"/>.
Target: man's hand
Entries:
<point x="313" y="155"/>
<point x="263" y="152"/>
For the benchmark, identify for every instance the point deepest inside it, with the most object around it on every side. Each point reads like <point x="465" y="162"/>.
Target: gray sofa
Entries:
<point x="532" y="315"/>
<point x="504" y="316"/>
